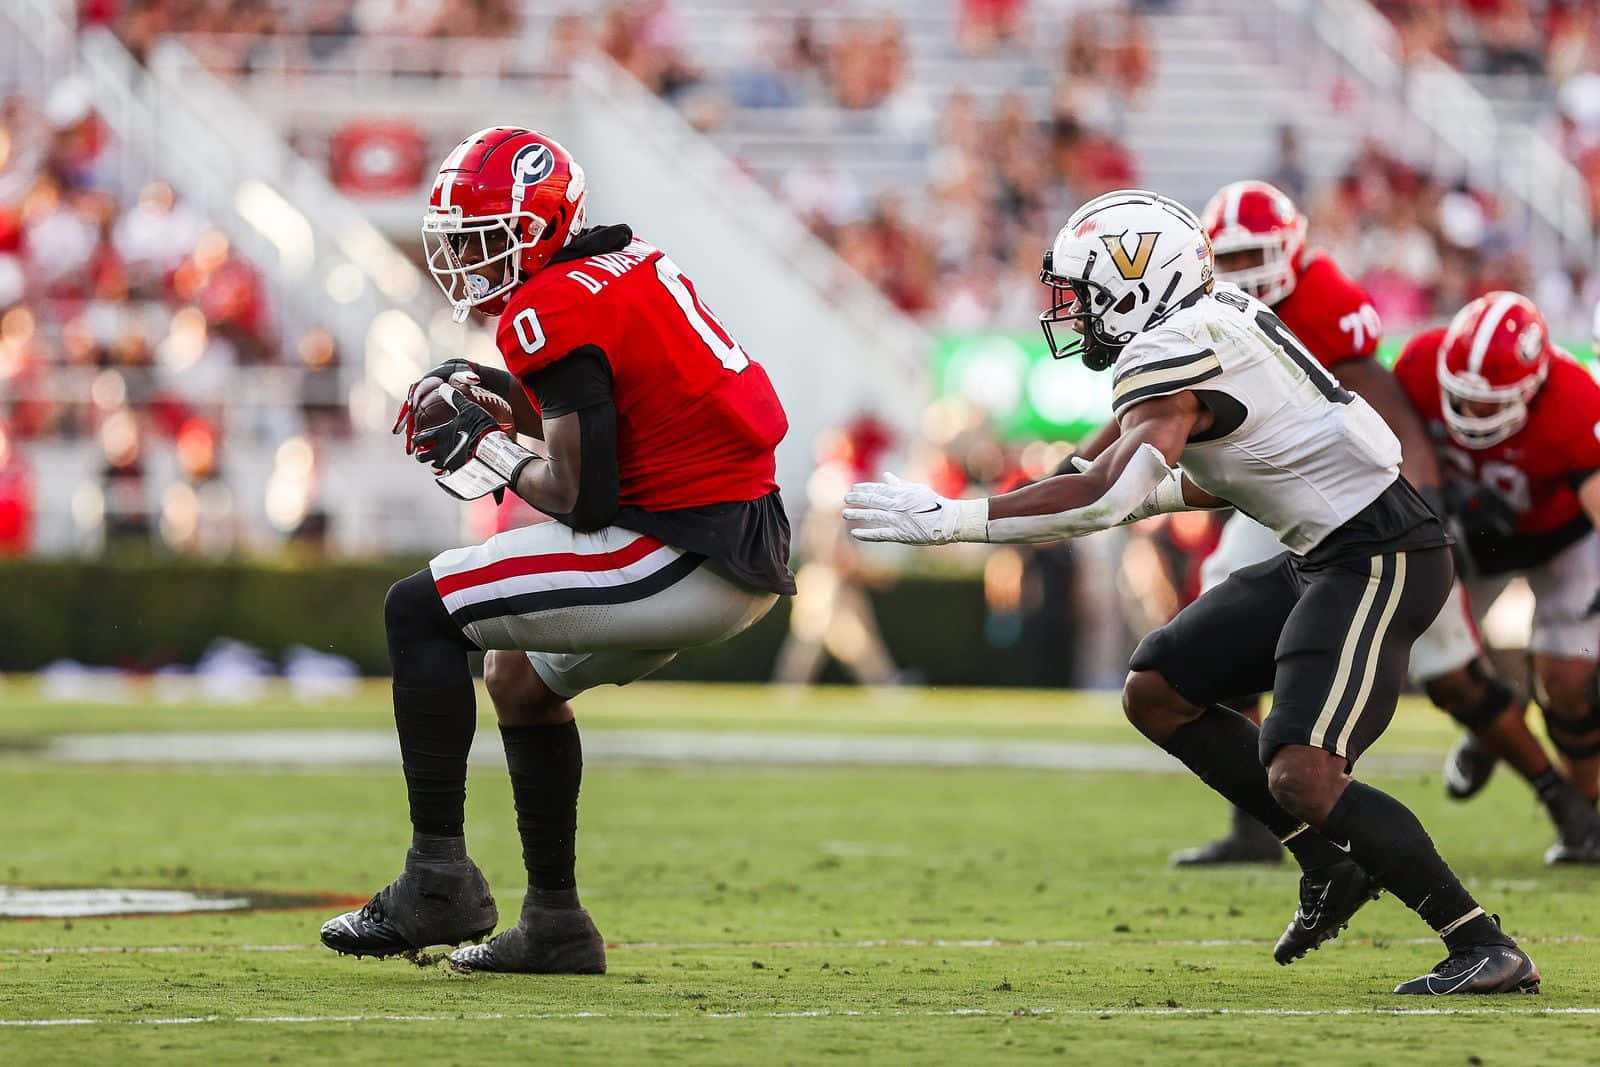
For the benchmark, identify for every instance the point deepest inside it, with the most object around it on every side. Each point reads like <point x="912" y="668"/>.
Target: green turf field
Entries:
<point x="758" y="912"/>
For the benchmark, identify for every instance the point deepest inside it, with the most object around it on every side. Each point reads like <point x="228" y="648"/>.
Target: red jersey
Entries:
<point x="697" y="419"/>
<point x="1537" y="470"/>
<point x="1330" y="314"/>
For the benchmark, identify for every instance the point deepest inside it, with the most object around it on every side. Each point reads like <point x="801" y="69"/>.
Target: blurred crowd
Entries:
<point x="1553" y="44"/>
<point x="957" y="240"/>
<point x="126" y="320"/>
<point x="1554" y="37"/>
<point x="1422" y="248"/>
<point x="963" y="248"/>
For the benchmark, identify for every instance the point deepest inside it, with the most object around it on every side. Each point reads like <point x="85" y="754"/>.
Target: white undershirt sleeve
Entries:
<point x="1145" y="472"/>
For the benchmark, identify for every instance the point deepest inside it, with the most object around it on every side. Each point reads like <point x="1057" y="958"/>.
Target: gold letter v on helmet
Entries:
<point x="1134" y="267"/>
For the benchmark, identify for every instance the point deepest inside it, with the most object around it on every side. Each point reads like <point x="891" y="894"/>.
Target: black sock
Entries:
<point x="546" y="765"/>
<point x="436" y="727"/>
<point x="435" y="708"/>
<point x="1223" y="748"/>
<point x="1388" y="841"/>
<point x="1547" y="785"/>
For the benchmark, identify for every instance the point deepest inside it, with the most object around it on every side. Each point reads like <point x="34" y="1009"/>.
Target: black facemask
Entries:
<point x="1078" y="305"/>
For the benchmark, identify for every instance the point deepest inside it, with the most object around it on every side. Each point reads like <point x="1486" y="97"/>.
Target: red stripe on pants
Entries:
<point x="551" y="562"/>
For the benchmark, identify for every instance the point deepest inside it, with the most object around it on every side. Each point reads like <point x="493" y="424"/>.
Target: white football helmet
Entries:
<point x="1122" y="263"/>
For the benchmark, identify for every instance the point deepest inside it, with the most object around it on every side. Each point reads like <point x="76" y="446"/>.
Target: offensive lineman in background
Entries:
<point x="658" y="434"/>
<point x="1209" y="376"/>
<point x="1259" y="238"/>
<point x="1516" y="422"/>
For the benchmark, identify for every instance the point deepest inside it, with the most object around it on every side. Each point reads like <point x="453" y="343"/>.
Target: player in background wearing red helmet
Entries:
<point x="1516" y="423"/>
<point x="1258" y="237"/>
<point x="657" y="462"/>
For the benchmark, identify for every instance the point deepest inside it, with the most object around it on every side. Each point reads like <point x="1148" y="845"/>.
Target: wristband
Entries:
<point x="503" y="456"/>
<point x="972" y="519"/>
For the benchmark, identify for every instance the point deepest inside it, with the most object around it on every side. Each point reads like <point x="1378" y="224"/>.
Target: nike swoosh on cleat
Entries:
<point x="1322" y="901"/>
<point x="1345" y="848"/>
<point x="1463" y="980"/>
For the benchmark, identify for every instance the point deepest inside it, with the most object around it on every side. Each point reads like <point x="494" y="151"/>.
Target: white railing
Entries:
<point x="1424" y="110"/>
<point x="599" y="82"/>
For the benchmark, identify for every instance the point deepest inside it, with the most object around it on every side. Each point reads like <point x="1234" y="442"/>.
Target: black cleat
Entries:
<point x="1577" y="827"/>
<point x="544" y="941"/>
<point x="1328" y="899"/>
<point x="429" y="904"/>
<point x="1468" y="769"/>
<point x="1477" y="969"/>
<point x="1248" y="841"/>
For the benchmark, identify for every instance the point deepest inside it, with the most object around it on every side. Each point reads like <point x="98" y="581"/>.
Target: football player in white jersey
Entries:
<point x="1207" y="376"/>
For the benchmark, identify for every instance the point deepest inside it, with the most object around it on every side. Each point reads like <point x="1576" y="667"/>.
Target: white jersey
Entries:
<point x="1288" y="446"/>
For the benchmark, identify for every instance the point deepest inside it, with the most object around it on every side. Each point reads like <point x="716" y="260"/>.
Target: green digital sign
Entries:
<point x="1029" y="395"/>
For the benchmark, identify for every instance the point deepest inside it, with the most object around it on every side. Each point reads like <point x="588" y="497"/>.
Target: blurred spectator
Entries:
<point x="645" y="38"/>
<point x="16" y="498"/>
<point x="124" y="511"/>
<point x="831" y="614"/>
<point x="868" y="63"/>
<point x="154" y="237"/>
<point x="1288" y="171"/>
<point x="988" y="23"/>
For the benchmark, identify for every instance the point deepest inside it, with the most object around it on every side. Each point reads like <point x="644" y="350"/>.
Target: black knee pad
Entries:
<point x="1495" y="699"/>
<point x="1575" y="738"/>
<point x="413" y="607"/>
<point x="423" y="641"/>
<point x="1572" y="736"/>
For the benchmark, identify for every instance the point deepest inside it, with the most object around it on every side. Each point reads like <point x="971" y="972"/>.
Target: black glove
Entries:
<point x="448" y="446"/>
<point x="407" y="418"/>
<point x="1065" y="466"/>
<point x="1483" y="512"/>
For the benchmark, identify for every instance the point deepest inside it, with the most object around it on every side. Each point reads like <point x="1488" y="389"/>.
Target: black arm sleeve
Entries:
<point x="497" y="381"/>
<point x="581" y="382"/>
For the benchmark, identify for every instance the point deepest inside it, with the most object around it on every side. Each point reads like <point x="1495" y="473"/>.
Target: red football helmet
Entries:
<point x="505" y="201"/>
<point x="1493" y="360"/>
<point x="1257" y="235"/>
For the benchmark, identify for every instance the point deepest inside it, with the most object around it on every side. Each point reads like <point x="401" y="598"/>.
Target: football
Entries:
<point x="434" y="410"/>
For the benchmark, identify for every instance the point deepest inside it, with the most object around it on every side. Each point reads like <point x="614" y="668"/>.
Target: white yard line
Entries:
<point x="323" y="748"/>
<point x="821" y="1013"/>
<point x="744" y="946"/>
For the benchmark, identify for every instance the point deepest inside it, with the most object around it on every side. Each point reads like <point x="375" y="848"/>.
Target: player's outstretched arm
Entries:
<point x="1132" y="480"/>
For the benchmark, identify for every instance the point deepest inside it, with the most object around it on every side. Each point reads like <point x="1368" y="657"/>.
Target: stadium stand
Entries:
<point x="928" y="145"/>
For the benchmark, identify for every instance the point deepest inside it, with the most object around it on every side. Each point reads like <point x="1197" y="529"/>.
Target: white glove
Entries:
<point x="913" y="514"/>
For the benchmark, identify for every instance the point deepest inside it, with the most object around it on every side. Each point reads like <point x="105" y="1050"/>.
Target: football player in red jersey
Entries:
<point x="1259" y="239"/>
<point x="657" y="463"/>
<point x="1516" y="423"/>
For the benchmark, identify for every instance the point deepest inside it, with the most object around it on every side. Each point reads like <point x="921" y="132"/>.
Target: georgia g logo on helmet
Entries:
<point x="532" y="164"/>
